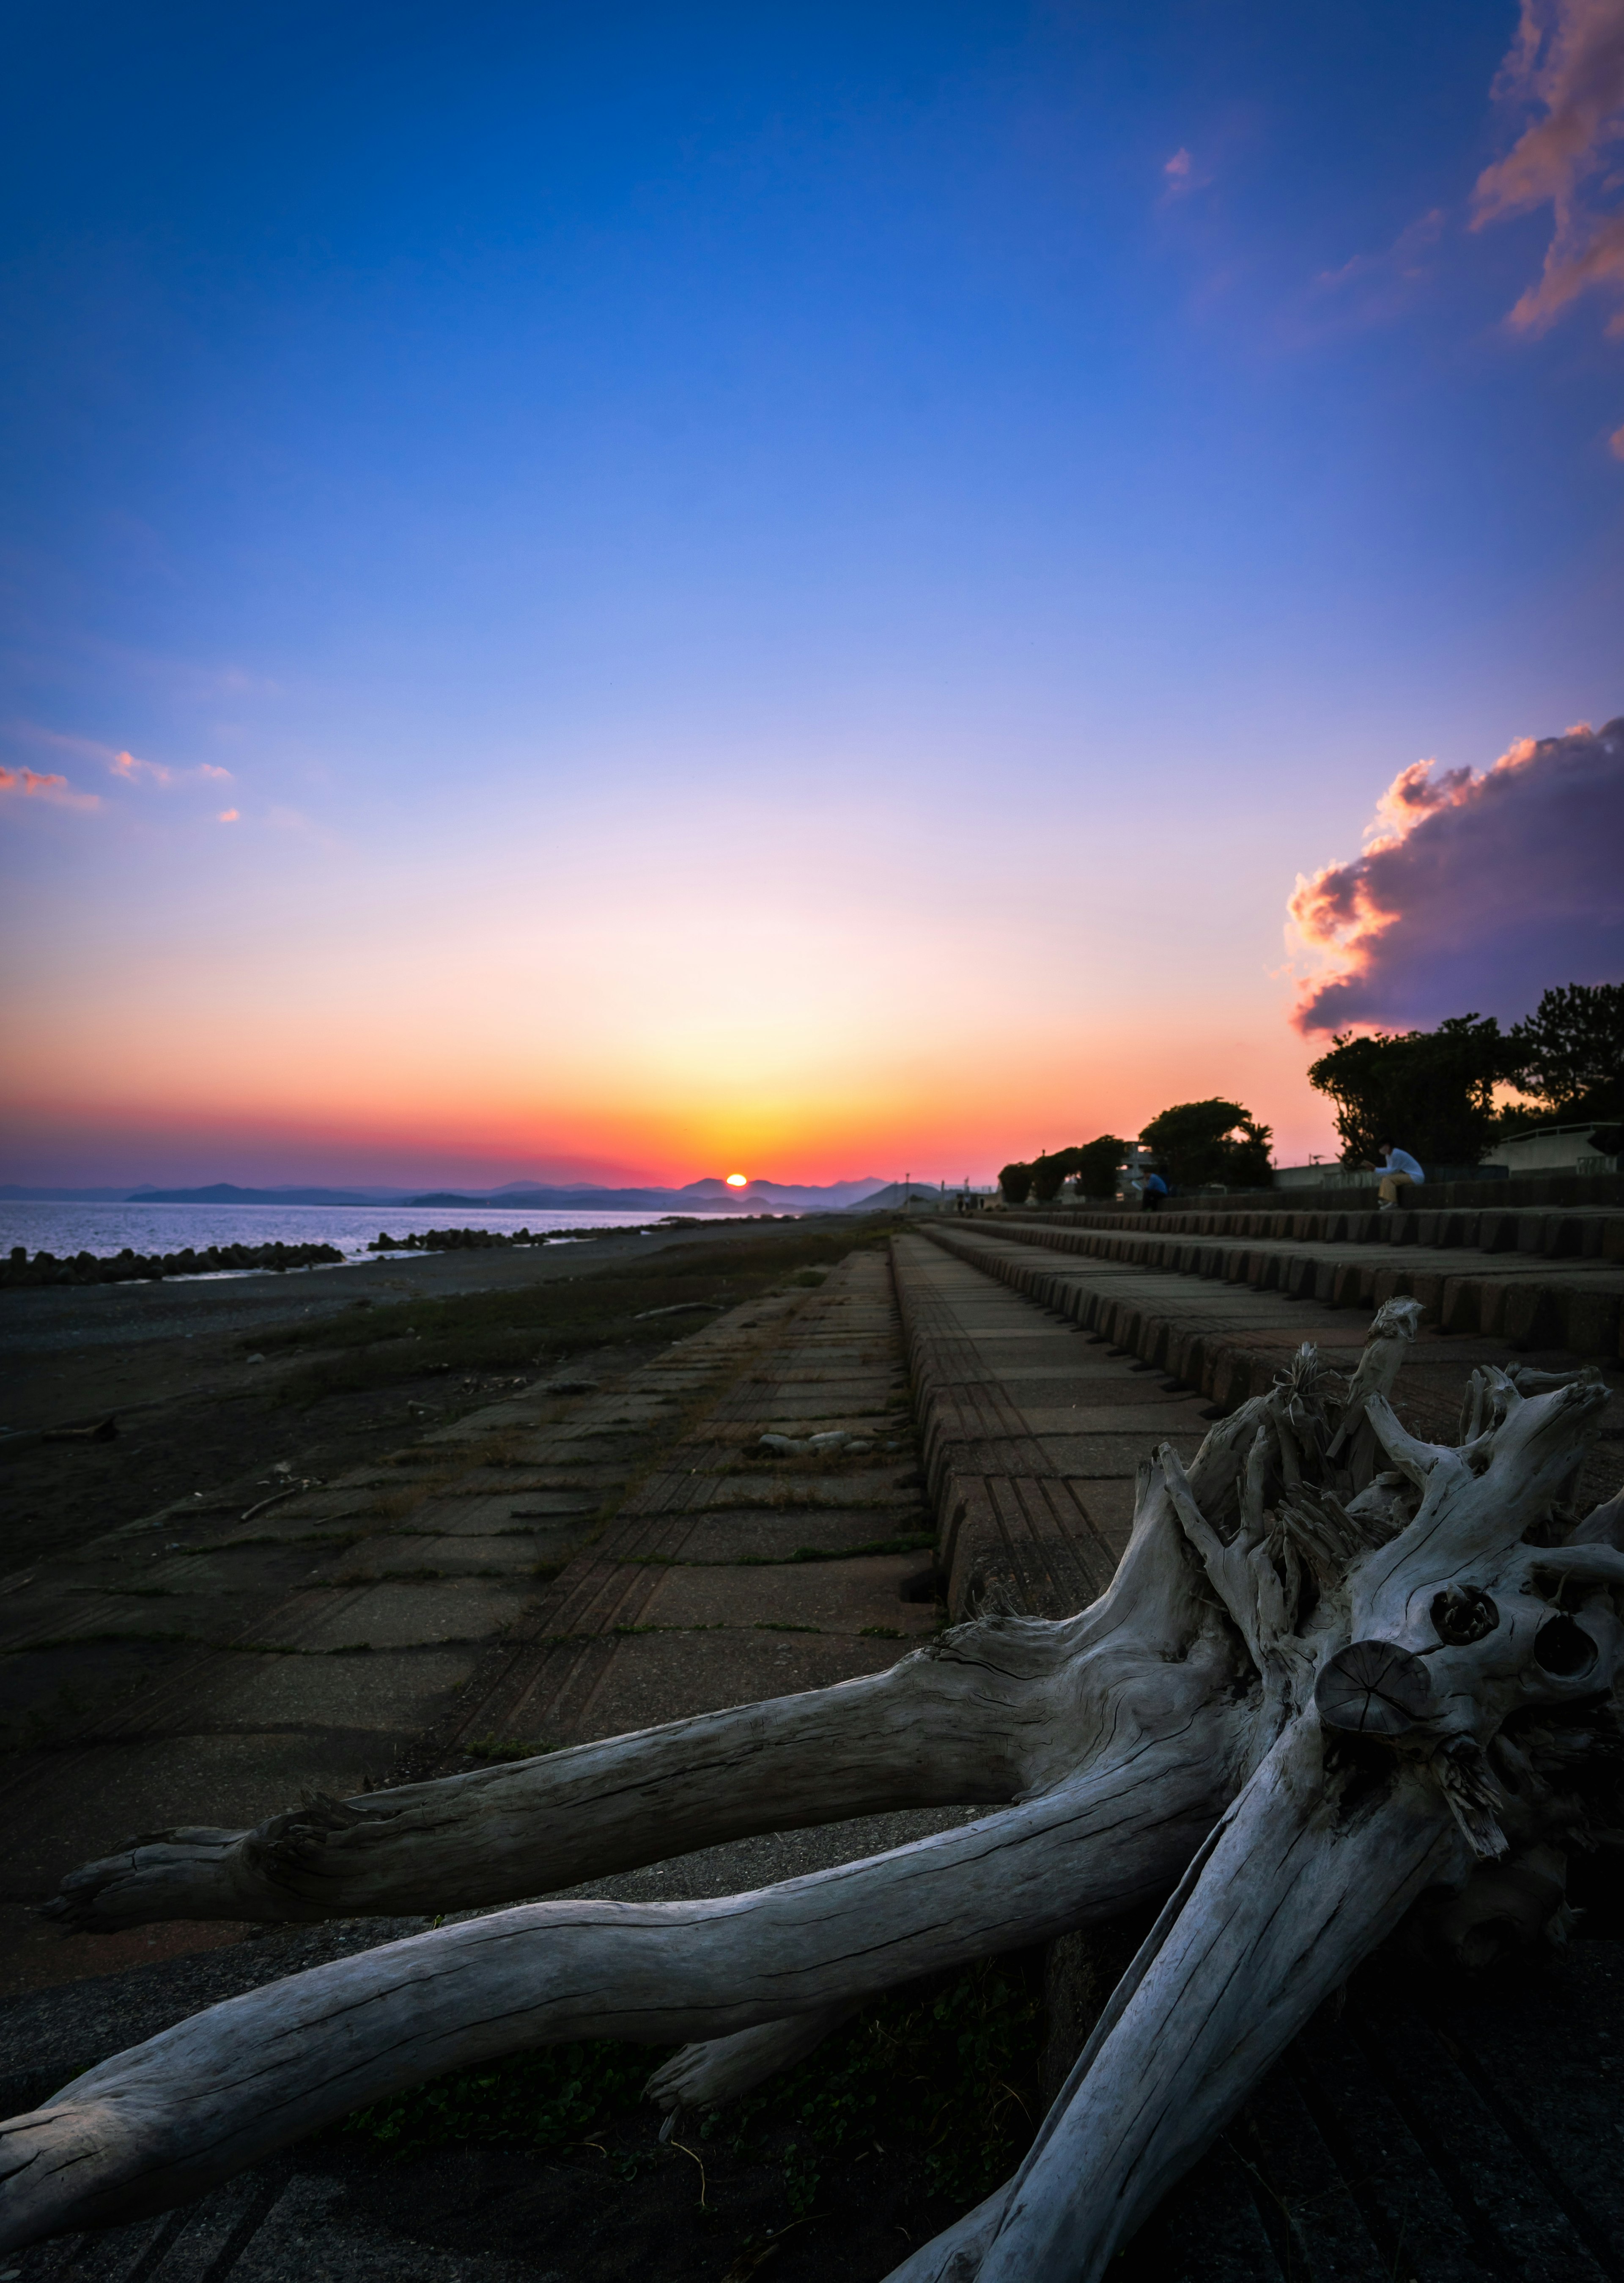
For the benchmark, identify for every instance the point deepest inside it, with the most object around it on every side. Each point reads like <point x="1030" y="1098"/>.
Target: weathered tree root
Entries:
<point x="954" y="1729"/>
<point x="1383" y="1685"/>
<point x="216" y="2092"/>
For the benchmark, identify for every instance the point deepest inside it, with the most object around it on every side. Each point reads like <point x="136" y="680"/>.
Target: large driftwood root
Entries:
<point x="1339" y="1670"/>
<point x="1480" y="1678"/>
<point x="187" y="2109"/>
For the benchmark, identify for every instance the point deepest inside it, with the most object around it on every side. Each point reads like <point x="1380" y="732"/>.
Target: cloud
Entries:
<point x="1376" y="286"/>
<point x="1181" y="174"/>
<point x="1474" y="893"/>
<point x="56" y="789"/>
<point x="120" y="763"/>
<point x="134" y="772"/>
<point x="157" y="773"/>
<point x="229" y="816"/>
<point x="1567" y="60"/>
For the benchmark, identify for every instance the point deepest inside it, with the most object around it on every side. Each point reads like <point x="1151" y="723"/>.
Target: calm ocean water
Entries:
<point x="105" y="1229"/>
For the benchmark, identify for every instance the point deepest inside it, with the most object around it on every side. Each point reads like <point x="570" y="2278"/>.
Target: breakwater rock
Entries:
<point x="132" y="1268"/>
<point x="455" y="1240"/>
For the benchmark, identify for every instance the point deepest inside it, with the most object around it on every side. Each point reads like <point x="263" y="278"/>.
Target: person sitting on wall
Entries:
<point x="1153" y="1191"/>
<point x="1401" y="1173"/>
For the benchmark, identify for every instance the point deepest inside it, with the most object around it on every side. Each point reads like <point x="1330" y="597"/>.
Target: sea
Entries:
<point x="105" y="1229"/>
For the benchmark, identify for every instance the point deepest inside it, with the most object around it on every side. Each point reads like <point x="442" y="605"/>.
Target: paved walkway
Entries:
<point x="1032" y="1431"/>
<point x="730" y="1573"/>
<point x="1225" y="1338"/>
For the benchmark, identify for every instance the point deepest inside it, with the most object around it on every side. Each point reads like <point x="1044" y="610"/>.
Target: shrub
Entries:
<point x="1569" y="1054"/>
<point x="1430" y="1091"/>
<point x="1096" y="1164"/>
<point x="1212" y="1141"/>
<point x="1048" y="1172"/>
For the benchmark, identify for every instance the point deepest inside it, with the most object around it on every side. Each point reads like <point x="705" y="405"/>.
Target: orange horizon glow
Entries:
<point x="442" y="1025"/>
<point x="374" y="1122"/>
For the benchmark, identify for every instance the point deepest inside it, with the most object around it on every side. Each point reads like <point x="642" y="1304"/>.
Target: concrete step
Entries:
<point x="1528" y="1299"/>
<point x="1553" y="1191"/>
<point x="1031" y="1425"/>
<point x="1582" y="1231"/>
<point x="1030" y="1434"/>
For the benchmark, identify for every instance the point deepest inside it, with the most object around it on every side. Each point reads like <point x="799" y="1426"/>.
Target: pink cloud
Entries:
<point x="1473" y="893"/>
<point x="1180" y="174"/>
<point x="1567" y="60"/>
<point x="229" y="816"/>
<point x="158" y="773"/>
<point x="134" y="772"/>
<point x="121" y="763"/>
<point x="1378" y="285"/>
<point x="32" y="786"/>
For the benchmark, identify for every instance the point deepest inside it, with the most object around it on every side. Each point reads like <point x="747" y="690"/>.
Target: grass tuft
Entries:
<point x="946" y="2067"/>
<point x="538" y="1326"/>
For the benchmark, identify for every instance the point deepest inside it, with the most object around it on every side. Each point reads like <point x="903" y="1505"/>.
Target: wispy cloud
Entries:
<point x="30" y="785"/>
<point x="1180" y="174"/>
<point x="129" y="768"/>
<point x="159" y="775"/>
<point x="125" y="768"/>
<point x="1567" y="62"/>
<point x="1375" y="286"/>
<point x="1473" y="892"/>
<point x="134" y="772"/>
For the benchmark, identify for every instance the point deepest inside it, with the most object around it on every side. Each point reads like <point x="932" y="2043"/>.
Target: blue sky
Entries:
<point x="1005" y="487"/>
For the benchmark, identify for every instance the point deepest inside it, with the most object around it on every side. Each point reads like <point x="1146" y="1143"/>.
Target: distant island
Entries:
<point x="711" y="1194"/>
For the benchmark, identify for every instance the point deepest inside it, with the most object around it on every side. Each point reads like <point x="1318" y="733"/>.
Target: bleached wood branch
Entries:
<point x="950" y="1728"/>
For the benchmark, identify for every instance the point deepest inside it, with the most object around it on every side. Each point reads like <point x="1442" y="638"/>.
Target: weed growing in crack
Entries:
<point x="947" y="2067"/>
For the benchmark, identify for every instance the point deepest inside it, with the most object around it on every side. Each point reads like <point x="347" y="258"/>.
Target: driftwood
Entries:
<point x="1340" y="1672"/>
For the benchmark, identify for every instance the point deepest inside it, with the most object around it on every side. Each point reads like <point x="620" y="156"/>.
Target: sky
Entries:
<point x="818" y="591"/>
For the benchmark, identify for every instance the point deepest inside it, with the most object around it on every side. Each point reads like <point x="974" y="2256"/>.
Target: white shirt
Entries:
<point x="1400" y="1161"/>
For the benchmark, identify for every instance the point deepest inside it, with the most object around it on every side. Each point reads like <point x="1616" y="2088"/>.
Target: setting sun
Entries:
<point x="736" y="1181"/>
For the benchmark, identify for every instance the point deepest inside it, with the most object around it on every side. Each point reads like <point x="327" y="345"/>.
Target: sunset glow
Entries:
<point x="794" y="588"/>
